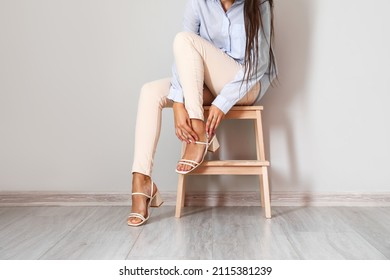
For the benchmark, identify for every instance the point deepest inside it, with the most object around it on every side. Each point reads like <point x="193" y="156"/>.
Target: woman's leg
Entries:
<point x="251" y="96"/>
<point x="152" y="100"/>
<point x="200" y="63"/>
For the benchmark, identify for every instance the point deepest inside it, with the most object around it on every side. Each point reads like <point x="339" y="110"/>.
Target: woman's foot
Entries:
<point x="139" y="203"/>
<point x="194" y="152"/>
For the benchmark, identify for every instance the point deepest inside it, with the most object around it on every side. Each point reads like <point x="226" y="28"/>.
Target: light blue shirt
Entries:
<point x="226" y="31"/>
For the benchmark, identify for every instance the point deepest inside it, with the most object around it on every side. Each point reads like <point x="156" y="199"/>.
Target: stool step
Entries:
<point x="242" y="163"/>
<point x="230" y="167"/>
<point x="240" y="112"/>
<point x="241" y="108"/>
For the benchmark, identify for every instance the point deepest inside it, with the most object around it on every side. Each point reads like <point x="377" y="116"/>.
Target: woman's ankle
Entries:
<point x="139" y="178"/>
<point x="200" y="128"/>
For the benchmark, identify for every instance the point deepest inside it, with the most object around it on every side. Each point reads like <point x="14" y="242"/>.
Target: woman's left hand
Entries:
<point x="214" y="119"/>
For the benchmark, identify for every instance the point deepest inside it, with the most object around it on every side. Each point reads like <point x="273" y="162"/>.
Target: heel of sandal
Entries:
<point x="157" y="200"/>
<point x="214" y="145"/>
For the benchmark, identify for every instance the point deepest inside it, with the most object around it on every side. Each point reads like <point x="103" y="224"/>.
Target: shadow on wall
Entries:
<point x="293" y="21"/>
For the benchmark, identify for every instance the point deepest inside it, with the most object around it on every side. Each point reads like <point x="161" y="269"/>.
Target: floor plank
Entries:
<point x="9" y="215"/>
<point x="37" y="229"/>
<point x="165" y="237"/>
<point x="373" y="224"/>
<point x="103" y="235"/>
<point x="333" y="246"/>
<point x="244" y="233"/>
<point x="204" y="233"/>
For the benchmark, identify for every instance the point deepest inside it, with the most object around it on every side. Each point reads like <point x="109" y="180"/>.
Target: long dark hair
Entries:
<point x="254" y="24"/>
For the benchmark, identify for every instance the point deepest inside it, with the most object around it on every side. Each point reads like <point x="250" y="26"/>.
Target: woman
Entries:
<point x="223" y="58"/>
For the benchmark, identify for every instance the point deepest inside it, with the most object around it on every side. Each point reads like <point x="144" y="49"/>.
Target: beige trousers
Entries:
<point x="203" y="71"/>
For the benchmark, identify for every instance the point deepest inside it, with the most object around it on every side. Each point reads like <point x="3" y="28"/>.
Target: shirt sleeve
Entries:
<point x="232" y="92"/>
<point x="191" y="23"/>
<point x="175" y="91"/>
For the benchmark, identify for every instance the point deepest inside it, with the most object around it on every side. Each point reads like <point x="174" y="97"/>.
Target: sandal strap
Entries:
<point x="184" y="161"/>
<point x="208" y="141"/>
<point x="151" y="188"/>
<point x="202" y="143"/>
<point x="137" y="215"/>
<point x="139" y="193"/>
<point x="148" y="196"/>
<point x="188" y="161"/>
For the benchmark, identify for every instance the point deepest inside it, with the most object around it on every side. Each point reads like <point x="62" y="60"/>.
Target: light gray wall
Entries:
<point x="71" y="71"/>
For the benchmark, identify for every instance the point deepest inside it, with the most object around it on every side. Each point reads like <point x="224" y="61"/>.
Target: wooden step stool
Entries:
<point x="236" y="167"/>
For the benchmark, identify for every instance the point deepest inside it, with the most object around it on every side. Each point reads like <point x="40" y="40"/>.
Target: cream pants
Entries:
<point x="203" y="70"/>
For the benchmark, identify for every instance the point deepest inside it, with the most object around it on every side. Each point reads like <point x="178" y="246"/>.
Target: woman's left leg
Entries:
<point x="153" y="98"/>
<point x="200" y="63"/>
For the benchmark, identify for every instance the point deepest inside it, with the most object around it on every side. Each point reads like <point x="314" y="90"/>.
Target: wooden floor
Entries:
<point x="202" y="233"/>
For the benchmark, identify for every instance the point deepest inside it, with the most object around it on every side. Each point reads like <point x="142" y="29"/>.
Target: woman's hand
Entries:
<point x="183" y="125"/>
<point x="214" y="119"/>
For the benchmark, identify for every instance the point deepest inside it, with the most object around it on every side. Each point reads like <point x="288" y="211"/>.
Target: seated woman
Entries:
<point x="224" y="57"/>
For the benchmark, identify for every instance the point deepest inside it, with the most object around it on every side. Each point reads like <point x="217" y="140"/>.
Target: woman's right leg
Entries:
<point x="152" y="100"/>
<point x="200" y="63"/>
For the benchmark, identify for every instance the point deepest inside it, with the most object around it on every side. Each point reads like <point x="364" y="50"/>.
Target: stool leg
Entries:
<point x="180" y="195"/>
<point x="259" y="137"/>
<point x="181" y="188"/>
<point x="265" y="187"/>
<point x="183" y="200"/>
<point x="261" y="178"/>
<point x="260" y="151"/>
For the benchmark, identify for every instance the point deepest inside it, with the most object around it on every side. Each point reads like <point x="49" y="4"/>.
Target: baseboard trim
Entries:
<point x="196" y="199"/>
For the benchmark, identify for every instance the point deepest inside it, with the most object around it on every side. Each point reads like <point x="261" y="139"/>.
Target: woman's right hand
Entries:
<point x="183" y="125"/>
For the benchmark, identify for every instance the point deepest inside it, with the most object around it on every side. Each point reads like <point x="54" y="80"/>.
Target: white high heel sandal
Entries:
<point x="211" y="146"/>
<point x="152" y="201"/>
